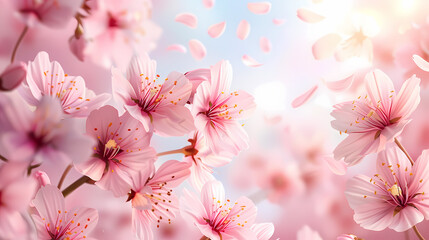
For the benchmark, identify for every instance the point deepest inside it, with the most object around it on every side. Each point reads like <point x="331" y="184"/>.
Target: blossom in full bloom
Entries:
<point x="396" y="197"/>
<point x="46" y="78"/>
<point x="122" y="149"/>
<point x="203" y="160"/>
<point x="55" y="221"/>
<point x="16" y="191"/>
<point x="40" y="135"/>
<point x="216" y="217"/>
<point x="159" y="107"/>
<point x="375" y="119"/>
<point x="217" y="110"/>
<point x="152" y="198"/>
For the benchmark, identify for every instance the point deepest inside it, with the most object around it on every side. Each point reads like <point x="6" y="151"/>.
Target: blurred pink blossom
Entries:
<point x="12" y="76"/>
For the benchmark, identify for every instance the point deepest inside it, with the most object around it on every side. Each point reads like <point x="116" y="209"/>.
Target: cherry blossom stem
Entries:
<point x="76" y="184"/>
<point x="405" y="151"/>
<point x="63" y="177"/>
<point x="181" y="150"/>
<point x="3" y="158"/>
<point x="418" y="233"/>
<point x="31" y="167"/>
<point x="17" y="43"/>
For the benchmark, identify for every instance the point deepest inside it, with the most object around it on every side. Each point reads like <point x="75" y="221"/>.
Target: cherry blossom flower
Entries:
<point x="51" y="13"/>
<point x="121" y="151"/>
<point x="46" y="78"/>
<point x="395" y="196"/>
<point x="122" y="27"/>
<point x="16" y="191"/>
<point x="203" y="160"/>
<point x="216" y="217"/>
<point x="375" y="119"/>
<point x="40" y="135"/>
<point x="151" y="196"/>
<point x="54" y="221"/>
<point x="217" y="111"/>
<point x="159" y="107"/>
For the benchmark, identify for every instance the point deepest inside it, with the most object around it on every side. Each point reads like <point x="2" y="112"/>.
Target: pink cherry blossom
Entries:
<point x="116" y="30"/>
<point x="159" y="107"/>
<point x="46" y="78"/>
<point x="203" y="160"/>
<point x="152" y="198"/>
<point x="42" y="179"/>
<point x="12" y="76"/>
<point x="55" y="221"/>
<point x="394" y="197"/>
<point x="121" y="151"/>
<point x="217" y="110"/>
<point x="40" y="135"/>
<point x="196" y="77"/>
<point x="375" y="119"/>
<point x="16" y="191"/>
<point x="216" y="217"/>
<point x="52" y="13"/>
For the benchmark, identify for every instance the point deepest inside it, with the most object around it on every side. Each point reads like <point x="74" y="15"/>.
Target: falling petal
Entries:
<point x="197" y="49"/>
<point x="250" y="62"/>
<point x="340" y="85"/>
<point x="337" y="167"/>
<point x="243" y="30"/>
<point x="300" y="100"/>
<point x="177" y="47"/>
<point x="265" y="44"/>
<point x="259" y="7"/>
<point x="216" y="30"/>
<point x="188" y="19"/>
<point x="208" y="3"/>
<point x="309" y="16"/>
<point x="421" y="63"/>
<point x="326" y="46"/>
<point x="278" y="21"/>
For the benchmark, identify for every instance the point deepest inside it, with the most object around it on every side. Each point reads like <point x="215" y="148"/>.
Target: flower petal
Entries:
<point x="208" y="3"/>
<point x="197" y="49"/>
<point x="263" y="231"/>
<point x="188" y="19"/>
<point x="421" y="63"/>
<point x="326" y="46"/>
<point x="49" y="201"/>
<point x="340" y="85"/>
<point x="12" y="76"/>
<point x="250" y="62"/>
<point x="265" y="44"/>
<point x="177" y="47"/>
<point x="300" y="100"/>
<point x="259" y="7"/>
<point x="243" y="29"/>
<point x="216" y="30"/>
<point x="171" y="172"/>
<point x="309" y="16"/>
<point x="278" y="21"/>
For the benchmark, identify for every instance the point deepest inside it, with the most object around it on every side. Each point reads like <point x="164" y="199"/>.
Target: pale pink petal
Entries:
<point x="216" y="30"/>
<point x="351" y="148"/>
<point x="263" y="231"/>
<point x="265" y="44"/>
<point x="78" y="47"/>
<point x="300" y="100"/>
<point x="340" y="85"/>
<point x="309" y="16"/>
<point x="407" y="99"/>
<point x="188" y="19"/>
<point x="259" y="7"/>
<point x="250" y="62"/>
<point x="211" y="193"/>
<point x="12" y="76"/>
<point x="406" y="219"/>
<point x="208" y="3"/>
<point x="278" y="21"/>
<point x="171" y="172"/>
<point x="421" y="63"/>
<point x="48" y="201"/>
<point x="93" y="168"/>
<point x="18" y="194"/>
<point x="380" y="88"/>
<point x="115" y="180"/>
<point x="325" y="47"/>
<point x="142" y="224"/>
<point x="177" y="47"/>
<point x="174" y="120"/>
<point x="87" y="217"/>
<point x="220" y="79"/>
<point x="338" y="167"/>
<point x="197" y="49"/>
<point x="42" y="178"/>
<point x="200" y="174"/>
<point x="243" y="29"/>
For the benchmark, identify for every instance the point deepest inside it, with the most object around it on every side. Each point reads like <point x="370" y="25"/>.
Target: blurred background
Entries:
<point x="285" y="170"/>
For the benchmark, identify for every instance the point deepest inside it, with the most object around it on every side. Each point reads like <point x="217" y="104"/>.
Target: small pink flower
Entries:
<point x="217" y="110"/>
<point x="54" y="221"/>
<point x="46" y="78"/>
<point x="395" y="197"/>
<point x="16" y="191"/>
<point x="152" y="198"/>
<point x="216" y="217"/>
<point x="203" y="160"/>
<point x="196" y="77"/>
<point x="40" y="135"/>
<point x="12" y="76"/>
<point x="263" y="231"/>
<point x="52" y="13"/>
<point x="375" y="119"/>
<point x="159" y="107"/>
<point x="42" y="178"/>
<point x="122" y="149"/>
